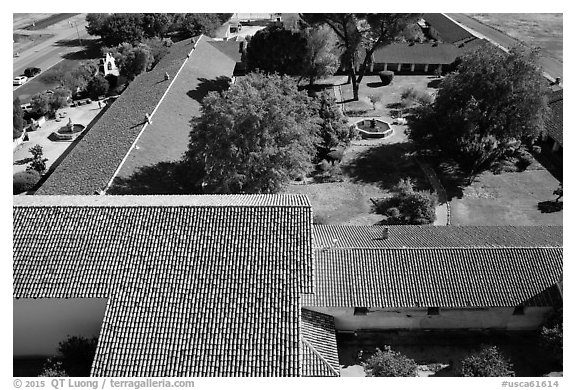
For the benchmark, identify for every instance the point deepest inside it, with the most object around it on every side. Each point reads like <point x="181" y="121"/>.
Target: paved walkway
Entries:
<point x="52" y="150"/>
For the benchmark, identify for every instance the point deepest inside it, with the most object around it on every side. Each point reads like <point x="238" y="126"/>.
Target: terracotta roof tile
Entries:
<point x="555" y="121"/>
<point x="320" y="351"/>
<point x="443" y="277"/>
<point x="448" y="30"/>
<point x="335" y="236"/>
<point x="93" y="161"/>
<point x="193" y="290"/>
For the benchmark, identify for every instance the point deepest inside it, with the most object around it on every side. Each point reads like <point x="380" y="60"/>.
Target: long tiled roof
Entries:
<point x="92" y="162"/>
<point x="443" y="277"/>
<point x="448" y="30"/>
<point x="320" y="351"/>
<point x="335" y="236"/>
<point x="201" y="289"/>
<point x="555" y="121"/>
<point x="166" y="138"/>
<point x="417" y="53"/>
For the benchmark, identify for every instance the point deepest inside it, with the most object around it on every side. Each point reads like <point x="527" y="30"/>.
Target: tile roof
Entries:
<point x="335" y="236"/>
<point x="417" y="53"/>
<point x="166" y="138"/>
<point x="93" y="161"/>
<point x="443" y="277"/>
<point x="194" y="287"/>
<point x="555" y="121"/>
<point x="448" y="30"/>
<point x="320" y="351"/>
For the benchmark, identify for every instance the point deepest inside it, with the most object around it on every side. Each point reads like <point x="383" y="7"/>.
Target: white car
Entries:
<point x="20" y="80"/>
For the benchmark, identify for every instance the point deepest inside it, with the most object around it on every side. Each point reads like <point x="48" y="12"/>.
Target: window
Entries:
<point x="360" y="311"/>
<point x="518" y="310"/>
<point x="433" y="311"/>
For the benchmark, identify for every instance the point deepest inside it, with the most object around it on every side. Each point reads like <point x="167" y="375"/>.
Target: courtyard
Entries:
<point x="439" y="353"/>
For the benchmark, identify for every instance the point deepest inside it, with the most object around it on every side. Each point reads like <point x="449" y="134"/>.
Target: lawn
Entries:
<point x="537" y="30"/>
<point x="447" y="348"/>
<point x="370" y="169"/>
<point x="388" y="95"/>
<point x="511" y="198"/>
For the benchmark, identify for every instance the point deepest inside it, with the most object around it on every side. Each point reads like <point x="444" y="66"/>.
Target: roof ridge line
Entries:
<point x="319" y="355"/>
<point x="324" y="248"/>
<point x="150" y="117"/>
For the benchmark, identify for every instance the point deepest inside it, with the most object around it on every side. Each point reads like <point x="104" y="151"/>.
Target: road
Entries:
<point x="551" y="66"/>
<point x="50" y="52"/>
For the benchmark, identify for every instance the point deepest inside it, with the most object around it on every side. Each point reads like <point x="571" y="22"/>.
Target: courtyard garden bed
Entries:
<point x="440" y="352"/>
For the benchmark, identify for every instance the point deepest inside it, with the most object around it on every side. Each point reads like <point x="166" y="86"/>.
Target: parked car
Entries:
<point x="20" y="80"/>
<point x="31" y="72"/>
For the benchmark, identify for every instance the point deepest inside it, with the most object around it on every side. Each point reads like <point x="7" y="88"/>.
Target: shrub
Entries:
<point x="24" y="181"/>
<point x="551" y="336"/>
<point x="331" y="175"/>
<point x="53" y="368"/>
<point x="323" y="166"/>
<point x="386" y="76"/>
<point x="524" y="159"/>
<point x="77" y="354"/>
<point x="389" y="363"/>
<point x="407" y="207"/>
<point x="536" y="149"/>
<point x="488" y="362"/>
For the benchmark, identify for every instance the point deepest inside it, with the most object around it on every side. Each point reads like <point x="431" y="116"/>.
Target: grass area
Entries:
<point x="388" y="96"/>
<point x="445" y="347"/>
<point x="369" y="170"/>
<point x="537" y="30"/>
<point x="511" y="198"/>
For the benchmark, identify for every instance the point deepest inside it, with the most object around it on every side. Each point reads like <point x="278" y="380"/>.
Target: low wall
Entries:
<point x="417" y="318"/>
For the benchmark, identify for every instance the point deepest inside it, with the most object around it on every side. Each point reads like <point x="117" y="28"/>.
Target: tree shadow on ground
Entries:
<point x="434" y="83"/>
<point x="23" y="161"/>
<point x="219" y="84"/>
<point x="164" y="178"/>
<point x="385" y="165"/>
<point x="375" y="84"/>
<point x="550" y="206"/>
<point x="90" y="51"/>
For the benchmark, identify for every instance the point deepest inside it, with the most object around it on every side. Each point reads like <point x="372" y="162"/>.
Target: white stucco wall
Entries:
<point x="40" y="324"/>
<point x="390" y="318"/>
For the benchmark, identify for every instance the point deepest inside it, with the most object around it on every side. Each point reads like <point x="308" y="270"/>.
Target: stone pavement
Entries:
<point x="52" y="150"/>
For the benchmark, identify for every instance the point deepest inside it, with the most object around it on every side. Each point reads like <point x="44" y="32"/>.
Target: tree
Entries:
<point x="482" y="111"/>
<point x="38" y="162"/>
<point x="551" y="336"/>
<point x="277" y="50"/>
<point x="321" y="59"/>
<point x="407" y="207"/>
<point x="24" y="181"/>
<point x="254" y="137"/>
<point x="97" y="86"/>
<point x="360" y="35"/>
<point x="374" y="98"/>
<point x="17" y="119"/>
<point x="132" y="60"/>
<point x="389" y="363"/>
<point x="488" y="362"/>
<point x="115" y="29"/>
<point x="334" y="131"/>
<point x="196" y="24"/>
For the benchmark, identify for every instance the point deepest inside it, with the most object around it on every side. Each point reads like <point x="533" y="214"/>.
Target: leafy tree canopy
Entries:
<point x="277" y="50"/>
<point x="254" y="137"/>
<point x="389" y="363"/>
<point x="17" y="118"/>
<point x="491" y="102"/>
<point x="488" y="362"/>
